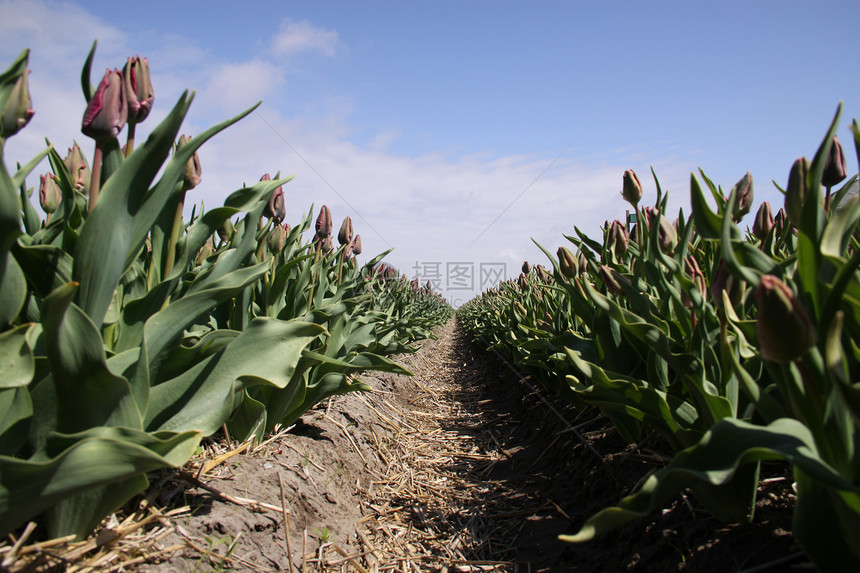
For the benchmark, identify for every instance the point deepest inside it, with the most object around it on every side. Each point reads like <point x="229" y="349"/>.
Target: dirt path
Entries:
<point x="463" y="467"/>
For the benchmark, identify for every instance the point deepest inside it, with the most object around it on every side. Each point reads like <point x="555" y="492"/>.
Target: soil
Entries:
<point x="464" y="466"/>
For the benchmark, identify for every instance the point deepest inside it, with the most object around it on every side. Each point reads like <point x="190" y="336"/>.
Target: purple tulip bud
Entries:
<point x="50" y="194"/>
<point x="107" y="110"/>
<point x="763" y="222"/>
<point x="780" y="222"/>
<point x="631" y="189"/>
<point x="744" y="197"/>
<point x="613" y="280"/>
<point x="324" y="224"/>
<point x="619" y="238"/>
<point x="17" y="110"/>
<point x="796" y="191"/>
<point x="344" y="236"/>
<point x="784" y="329"/>
<point x="78" y="168"/>
<point x="275" y="208"/>
<point x="834" y="167"/>
<point x="356" y="245"/>
<point x="525" y="267"/>
<point x="191" y="177"/>
<point x="138" y="88"/>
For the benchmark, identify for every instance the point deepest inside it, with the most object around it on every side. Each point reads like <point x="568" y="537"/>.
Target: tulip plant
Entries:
<point x="129" y="332"/>
<point x="730" y="346"/>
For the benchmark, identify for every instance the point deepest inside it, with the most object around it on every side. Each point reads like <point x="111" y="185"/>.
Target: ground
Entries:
<point x="465" y="466"/>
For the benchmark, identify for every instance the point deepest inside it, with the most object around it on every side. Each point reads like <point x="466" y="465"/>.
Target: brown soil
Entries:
<point x="463" y="467"/>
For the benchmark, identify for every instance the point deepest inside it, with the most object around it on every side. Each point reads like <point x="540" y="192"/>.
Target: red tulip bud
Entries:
<point x="356" y="245"/>
<point x="191" y="177"/>
<point x="106" y="112"/>
<point x="344" y="236"/>
<point x="324" y="224"/>
<point x="567" y="263"/>
<point x="763" y="222"/>
<point x="744" y="197"/>
<point x="796" y="191"/>
<point x="50" y="194"/>
<point x="834" y="167"/>
<point x="78" y="168"/>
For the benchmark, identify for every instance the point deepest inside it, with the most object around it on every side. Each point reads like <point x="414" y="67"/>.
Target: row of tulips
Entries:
<point x="731" y="347"/>
<point x="129" y="332"/>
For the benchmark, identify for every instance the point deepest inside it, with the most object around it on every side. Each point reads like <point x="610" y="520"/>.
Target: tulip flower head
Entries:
<point x="324" y="223"/>
<point x="356" y="245"/>
<point x="567" y="263"/>
<point x="744" y="197"/>
<point x="763" y="222"/>
<point x="107" y="110"/>
<point x="796" y="191"/>
<point x="50" y="194"/>
<point x="191" y="177"/>
<point x="344" y="236"/>
<point x="632" y="188"/>
<point x="78" y="168"/>
<point x="17" y="111"/>
<point x="785" y="331"/>
<point x="835" y="170"/>
<point x="138" y="88"/>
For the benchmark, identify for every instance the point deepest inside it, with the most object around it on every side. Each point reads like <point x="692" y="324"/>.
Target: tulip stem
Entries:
<point x="170" y="255"/>
<point x="95" y="182"/>
<point x="827" y="202"/>
<point x="129" y="145"/>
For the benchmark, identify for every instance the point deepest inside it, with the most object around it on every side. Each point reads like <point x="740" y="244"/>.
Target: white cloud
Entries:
<point x="237" y="86"/>
<point x="301" y="36"/>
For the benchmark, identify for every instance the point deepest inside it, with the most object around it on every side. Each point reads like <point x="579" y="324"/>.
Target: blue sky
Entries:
<point x="424" y="121"/>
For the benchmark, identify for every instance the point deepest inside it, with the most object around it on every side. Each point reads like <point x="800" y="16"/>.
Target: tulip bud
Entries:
<point x="106" y="112"/>
<point x="631" y="189"/>
<point x="525" y="267"/>
<point x="356" y="245"/>
<point x="191" y="177"/>
<point x="324" y="224"/>
<point x="619" y="238"/>
<point x="226" y="231"/>
<point x="138" y="88"/>
<point x="784" y="329"/>
<point x="667" y="237"/>
<point x="763" y="222"/>
<point x="78" y="168"/>
<point x="613" y="280"/>
<point x="567" y="263"/>
<point x="50" y="194"/>
<point x="17" y="110"/>
<point x="834" y="167"/>
<point x="796" y="191"/>
<point x="277" y="238"/>
<point x="344" y="236"/>
<point x="205" y="251"/>
<point x="780" y="222"/>
<point x="326" y="244"/>
<point x="744" y="197"/>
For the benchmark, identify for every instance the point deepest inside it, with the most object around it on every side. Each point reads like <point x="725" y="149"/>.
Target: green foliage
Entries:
<point x="129" y="333"/>
<point x="735" y="347"/>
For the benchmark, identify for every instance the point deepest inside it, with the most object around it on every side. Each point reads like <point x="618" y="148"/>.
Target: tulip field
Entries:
<point x="135" y="324"/>
<point x="731" y="344"/>
<point x="129" y="332"/>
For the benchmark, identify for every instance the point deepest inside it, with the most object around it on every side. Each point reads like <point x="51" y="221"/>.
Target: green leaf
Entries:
<point x="17" y="364"/>
<point x="81" y="462"/>
<point x="708" y="224"/>
<point x="13" y="285"/>
<point x="86" y="73"/>
<point x="88" y="394"/>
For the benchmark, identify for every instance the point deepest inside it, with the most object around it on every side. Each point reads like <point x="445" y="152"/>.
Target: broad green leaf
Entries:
<point x="17" y="364"/>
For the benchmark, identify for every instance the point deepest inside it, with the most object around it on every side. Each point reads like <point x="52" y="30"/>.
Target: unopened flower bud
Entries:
<point x="107" y="110"/>
<point x="525" y="267"/>
<point x="567" y="263"/>
<point x="619" y="238"/>
<point x="691" y="266"/>
<point x="78" y="168"/>
<point x="138" y="88"/>
<point x="744" y="197"/>
<point x="763" y="222"/>
<point x="324" y="223"/>
<point x="834" y="167"/>
<point x="613" y="280"/>
<point x="226" y="231"/>
<point x="50" y="194"/>
<point x="631" y="189"/>
<point x="344" y="236"/>
<point x="667" y="237"/>
<point x="356" y="245"/>
<point x="796" y="191"/>
<point x="192" y="175"/>
<point x="784" y="329"/>
<point x="277" y="238"/>
<point x="17" y="110"/>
